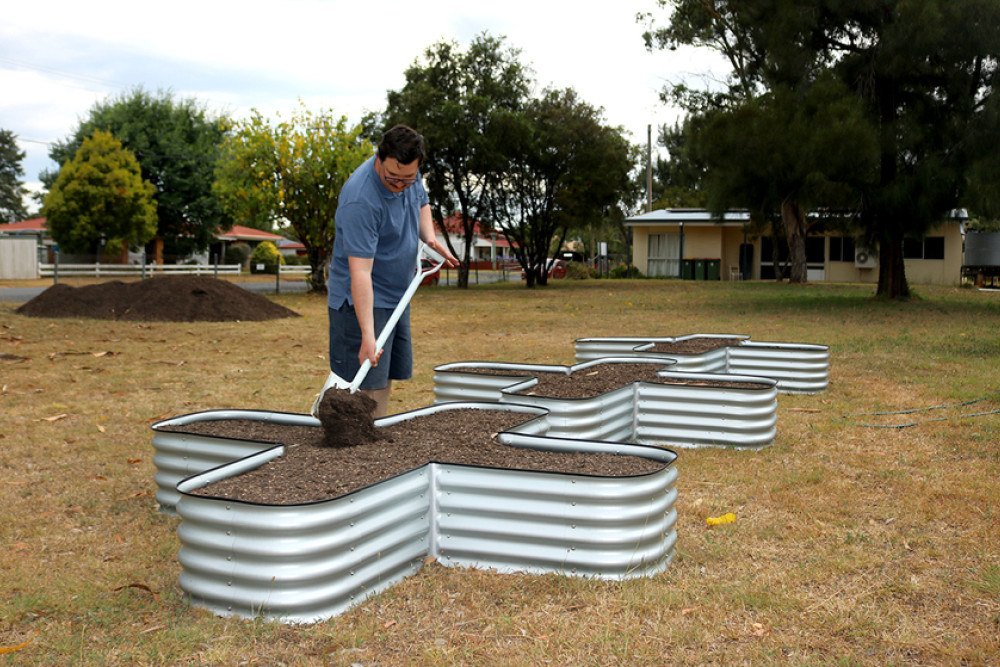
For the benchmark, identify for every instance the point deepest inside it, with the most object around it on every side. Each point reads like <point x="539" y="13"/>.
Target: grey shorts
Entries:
<point x="396" y="362"/>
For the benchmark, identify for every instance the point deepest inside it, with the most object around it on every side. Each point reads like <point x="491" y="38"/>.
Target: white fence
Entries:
<point x="109" y="270"/>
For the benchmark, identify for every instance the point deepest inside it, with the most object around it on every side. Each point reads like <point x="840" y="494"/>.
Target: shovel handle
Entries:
<point x="335" y="380"/>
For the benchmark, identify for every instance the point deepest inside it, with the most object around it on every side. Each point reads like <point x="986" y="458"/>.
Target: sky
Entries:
<point x="59" y="58"/>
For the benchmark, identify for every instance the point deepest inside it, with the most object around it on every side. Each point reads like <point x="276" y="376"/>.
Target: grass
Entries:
<point x="853" y="545"/>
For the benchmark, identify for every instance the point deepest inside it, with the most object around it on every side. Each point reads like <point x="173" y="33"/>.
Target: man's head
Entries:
<point x="399" y="156"/>
<point x="402" y="143"/>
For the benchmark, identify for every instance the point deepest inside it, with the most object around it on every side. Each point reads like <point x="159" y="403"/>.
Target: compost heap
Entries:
<point x="159" y="299"/>
<point x="347" y="418"/>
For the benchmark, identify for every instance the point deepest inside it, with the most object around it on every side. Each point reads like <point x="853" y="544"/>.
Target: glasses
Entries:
<point x="399" y="181"/>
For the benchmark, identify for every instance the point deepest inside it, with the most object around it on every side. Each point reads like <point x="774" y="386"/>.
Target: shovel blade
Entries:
<point x="333" y="380"/>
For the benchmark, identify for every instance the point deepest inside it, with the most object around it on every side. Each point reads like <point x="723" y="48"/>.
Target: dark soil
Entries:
<point x="159" y="299"/>
<point x="311" y="471"/>
<point x="695" y="345"/>
<point x="347" y="418"/>
<point x="603" y="378"/>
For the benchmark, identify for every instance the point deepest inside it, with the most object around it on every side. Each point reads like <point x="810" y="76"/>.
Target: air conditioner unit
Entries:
<point x="864" y="259"/>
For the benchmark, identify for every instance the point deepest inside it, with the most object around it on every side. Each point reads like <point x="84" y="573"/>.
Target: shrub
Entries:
<point x="623" y="271"/>
<point x="237" y="253"/>
<point x="578" y="271"/>
<point x="266" y="253"/>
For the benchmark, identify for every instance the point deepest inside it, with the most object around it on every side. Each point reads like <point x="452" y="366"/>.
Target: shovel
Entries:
<point x="335" y="380"/>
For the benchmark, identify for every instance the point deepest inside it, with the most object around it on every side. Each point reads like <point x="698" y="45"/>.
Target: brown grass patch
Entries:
<point x="852" y="545"/>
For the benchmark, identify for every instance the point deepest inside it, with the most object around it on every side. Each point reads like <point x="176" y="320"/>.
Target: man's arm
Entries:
<point x="428" y="236"/>
<point x="363" y="296"/>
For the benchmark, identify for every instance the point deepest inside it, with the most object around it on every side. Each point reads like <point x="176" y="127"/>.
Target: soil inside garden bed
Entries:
<point x="309" y="471"/>
<point x="159" y="299"/>
<point x="694" y="345"/>
<point x="602" y="378"/>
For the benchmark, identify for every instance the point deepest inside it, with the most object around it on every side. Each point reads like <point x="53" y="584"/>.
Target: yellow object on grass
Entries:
<point x="719" y="520"/>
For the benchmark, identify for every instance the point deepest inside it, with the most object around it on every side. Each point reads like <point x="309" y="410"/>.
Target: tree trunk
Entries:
<point x="794" y="220"/>
<point x="892" y="271"/>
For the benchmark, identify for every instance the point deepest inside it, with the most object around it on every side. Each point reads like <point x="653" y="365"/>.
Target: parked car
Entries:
<point x="556" y="268"/>
<point x="432" y="279"/>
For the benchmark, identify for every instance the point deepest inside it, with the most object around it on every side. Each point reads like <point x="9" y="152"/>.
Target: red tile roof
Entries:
<point x="33" y="225"/>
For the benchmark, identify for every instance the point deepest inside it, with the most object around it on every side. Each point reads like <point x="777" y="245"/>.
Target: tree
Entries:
<point x="563" y="167"/>
<point x="786" y="153"/>
<point x="177" y="144"/>
<point x="925" y="73"/>
<point x="12" y="191"/>
<point x="100" y="199"/>
<point x="292" y="172"/>
<point x="455" y="99"/>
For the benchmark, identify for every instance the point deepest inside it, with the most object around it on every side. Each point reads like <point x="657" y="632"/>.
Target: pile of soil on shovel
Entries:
<point x="347" y="418"/>
<point x="309" y="470"/>
<point x="159" y="299"/>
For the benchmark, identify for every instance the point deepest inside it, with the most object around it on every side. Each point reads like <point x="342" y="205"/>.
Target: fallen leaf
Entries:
<point x="53" y="418"/>
<point x="389" y="624"/>
<point x="100" y="428"/>
<point x="133" y="461"/>
<point x="138" y="494"/>
<point x="12" y="649"/>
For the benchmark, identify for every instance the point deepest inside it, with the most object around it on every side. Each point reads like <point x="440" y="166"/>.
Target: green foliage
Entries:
<point x="563" y="166"/>
<point x="100" y="198"/>
<point x="578" y="271"/>
<point x="266" y="253"/>
<point x="177" y="145"/>
<point x="458" y="100"/>
<point x="12" y="191"/>
<point x="238" y="253"/>
<point x="922" y="73"/>
<point x="292" y="171"/>
<point x="624" y="271"/>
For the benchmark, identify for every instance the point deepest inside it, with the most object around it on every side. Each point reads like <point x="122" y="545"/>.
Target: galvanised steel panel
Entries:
<point x="459" y="382"/>
<point x="798" y="367"/>
<point x="595" y="348"/>
<point x="608" y="416"/>
<point x="301" y="563"/>
<point x="307" y="562"/>
<point x="686" y="415"/>
<point x="611" y="528"/>
<point x="180" y="455"/>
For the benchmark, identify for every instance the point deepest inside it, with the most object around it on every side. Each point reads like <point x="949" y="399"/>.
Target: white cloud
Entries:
<point x="58" y="58"/>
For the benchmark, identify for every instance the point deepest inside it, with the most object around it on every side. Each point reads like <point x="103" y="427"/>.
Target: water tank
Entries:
<point x="982" y="249"/>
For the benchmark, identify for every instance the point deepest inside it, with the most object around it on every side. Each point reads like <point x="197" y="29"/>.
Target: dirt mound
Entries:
<point x="160" y="299"/>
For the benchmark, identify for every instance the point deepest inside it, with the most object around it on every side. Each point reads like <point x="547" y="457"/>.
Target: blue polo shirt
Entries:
<point x="374" y="223"/>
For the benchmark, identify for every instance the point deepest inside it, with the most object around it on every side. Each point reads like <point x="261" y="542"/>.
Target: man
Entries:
<point x="382" y="214"/>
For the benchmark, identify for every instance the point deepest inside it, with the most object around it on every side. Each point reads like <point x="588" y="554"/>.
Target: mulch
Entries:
<point x="310" y="470"/>
<point x="159" y="299"/>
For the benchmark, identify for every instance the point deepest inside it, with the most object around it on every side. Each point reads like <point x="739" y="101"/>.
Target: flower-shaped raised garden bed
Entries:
<point x="298" y="533"/>
<point x="799" y="368"/>
<point x="628" y="399"/>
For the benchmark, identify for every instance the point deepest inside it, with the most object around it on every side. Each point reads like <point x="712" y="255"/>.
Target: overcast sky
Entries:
<point x="57" y="59"/>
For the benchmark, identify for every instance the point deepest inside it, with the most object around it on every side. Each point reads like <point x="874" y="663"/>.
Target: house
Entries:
<point x="488" y="246"/>
<point x="668" y="242"/>
<point x="36" y="227"/>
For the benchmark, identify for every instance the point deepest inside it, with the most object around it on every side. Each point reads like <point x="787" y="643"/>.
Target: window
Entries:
<point x="663" y="260"/>
<point x="931" y="247"/>
<point x="841" y="249"/>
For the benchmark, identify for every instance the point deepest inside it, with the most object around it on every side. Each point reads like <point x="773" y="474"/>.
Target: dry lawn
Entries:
<point x="853" y="544"/>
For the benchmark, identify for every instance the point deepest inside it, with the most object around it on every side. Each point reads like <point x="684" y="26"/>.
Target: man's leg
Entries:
<point x="381" y="398"/>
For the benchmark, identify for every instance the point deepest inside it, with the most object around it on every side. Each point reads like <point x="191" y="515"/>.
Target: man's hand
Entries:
<point x="369" y="351"/>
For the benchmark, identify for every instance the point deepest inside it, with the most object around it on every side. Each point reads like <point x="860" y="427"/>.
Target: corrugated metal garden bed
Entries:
<point x="797" y="367"/>
<point x="309" y="561"/>
<point x="658" y="406"/>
